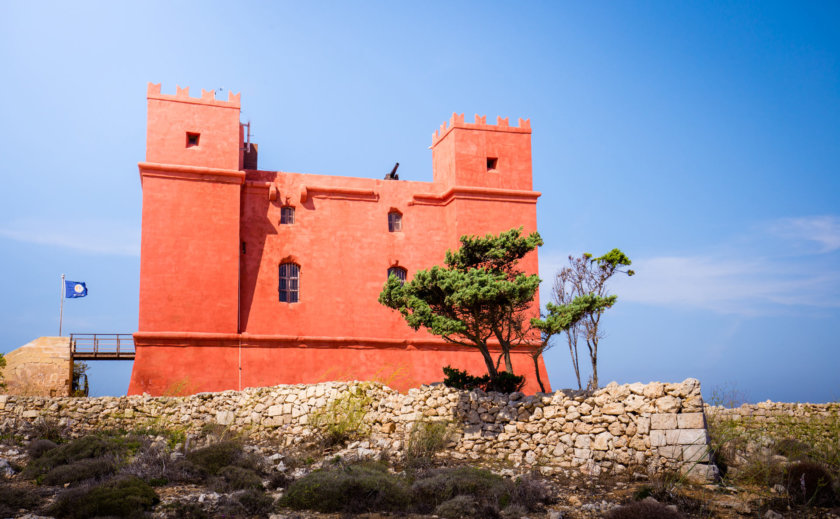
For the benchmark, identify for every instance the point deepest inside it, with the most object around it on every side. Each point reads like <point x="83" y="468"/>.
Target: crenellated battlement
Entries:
<point x="502" y="125"/>
<point x="208" y="97"/>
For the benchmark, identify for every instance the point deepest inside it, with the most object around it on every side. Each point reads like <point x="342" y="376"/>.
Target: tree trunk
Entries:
<point x="508" y="363"/>
<point x="488" y="361"/>
<point x="537" y="371"/>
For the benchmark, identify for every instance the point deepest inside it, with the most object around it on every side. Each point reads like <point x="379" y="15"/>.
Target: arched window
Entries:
<point x="287" y="215"/>
<point x="289" y="283"/>
<point x="397" y="271"/>
<point x="394" y="221"/>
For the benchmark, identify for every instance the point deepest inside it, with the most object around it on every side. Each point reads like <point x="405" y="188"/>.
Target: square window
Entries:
<point x="394" y="222"/>
<point x="192" y="139"/>
<point x="492" y="162"/>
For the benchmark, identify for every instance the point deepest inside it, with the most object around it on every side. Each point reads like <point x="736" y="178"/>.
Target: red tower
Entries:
<point x="255" y="278"/>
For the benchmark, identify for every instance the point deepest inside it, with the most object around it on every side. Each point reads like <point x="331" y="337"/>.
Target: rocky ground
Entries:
<point x="571" y="497"/>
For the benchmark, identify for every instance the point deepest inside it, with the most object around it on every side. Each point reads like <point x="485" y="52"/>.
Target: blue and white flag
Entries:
<point x="73" y="289"/>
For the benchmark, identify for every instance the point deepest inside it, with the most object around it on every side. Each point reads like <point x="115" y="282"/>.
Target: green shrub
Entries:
<point x="47" y="429"/>
<point x="37" y="448"/>
<point x="124" y="497"/>
<point x="278" y="480"/>
<point x="457" y="507"/>
<point x="362" y="487"/>
<point x="530" y="493"/>
<point x="82" y="448"/>
<point x="255" y="502"/>
<point x="238" y="478"/>
<point x="809" y="483"/>
<point x="647" y="509"/>
<point x="436" y="486"/>
<point x="216" y="456"/>
<point x="88" y="468"/>
<point x="426" y="439"/>
<point x="792" y="449"/>
<point x="342" y="419"/>
<point x="13" y="499"/>
<point x="505" y="382"/>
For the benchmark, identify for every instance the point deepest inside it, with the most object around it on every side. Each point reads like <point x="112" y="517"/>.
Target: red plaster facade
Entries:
<point x="211" y="317"/>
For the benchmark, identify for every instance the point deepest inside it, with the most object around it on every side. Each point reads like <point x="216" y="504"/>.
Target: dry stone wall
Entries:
<point x="618" y="428"/>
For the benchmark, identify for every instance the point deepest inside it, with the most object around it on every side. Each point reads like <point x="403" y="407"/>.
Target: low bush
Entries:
<point x="362" y="487"/>
<point x="809" y="483"/>
<point x="343" y="419"/>
<point x="83" y="448"/>
<point x="88" y="468"/>
<point x="38" y="448"/>
<point x="457" y="507"/>
<point x="792" y="449"/>
<point x="182" y="510"/>
<point x="218" y="455"/>
<point x="47" y="429"/>
<point x="278" y="480"/>
<point x="238" y="478"/>
<point x="123" y="497"/>
<point x="14" y="499"/>
<point x="530" y="493"/>
<point x="255" y="502"/>
<point x="434" y="487"/>
<point x="426" y="439"/>
<point x="647" y="509"/>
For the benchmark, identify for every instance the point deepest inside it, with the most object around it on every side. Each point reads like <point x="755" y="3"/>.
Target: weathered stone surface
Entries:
<point x="691" y="421"/>
<point x="663" y="421"/>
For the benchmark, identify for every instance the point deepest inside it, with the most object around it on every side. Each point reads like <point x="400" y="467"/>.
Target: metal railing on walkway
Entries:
<point x="102" y="346"/>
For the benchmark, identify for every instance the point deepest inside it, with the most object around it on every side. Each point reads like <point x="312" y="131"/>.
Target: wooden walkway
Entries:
<point x="101" y="346"/>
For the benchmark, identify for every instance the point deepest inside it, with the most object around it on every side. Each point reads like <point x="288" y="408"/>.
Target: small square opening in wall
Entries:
<point x="491" y="163"/>
<point x="192" y="139"/>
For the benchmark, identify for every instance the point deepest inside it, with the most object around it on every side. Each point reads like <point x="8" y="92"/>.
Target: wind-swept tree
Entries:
<point x="481" y="294"/>
<point x="587" y="276"/>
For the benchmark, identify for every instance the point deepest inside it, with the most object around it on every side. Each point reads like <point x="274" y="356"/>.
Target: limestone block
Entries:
<point x="696" y="453"/>
<point x="692" y="437"/>
<point x="583" y="441"/>
<point x="616" y="429"/>
<point x="654" y="390"/>
<point x="559" y="450"/>
<point x="663" y="421"/>
<point x="667" y="404"/>
<point x="700" y="473"/>
<point x="691" y="421"/>
<point x="224" y="417"/>
<point x="637" y="388"/>
<point x="602" y="441"/>
<point x="613" y="408"/>
<point x="657" y="438"/>
<point x="275" y="410"/>
<point x="672" y="452"/>
<point x="643" y="425"/>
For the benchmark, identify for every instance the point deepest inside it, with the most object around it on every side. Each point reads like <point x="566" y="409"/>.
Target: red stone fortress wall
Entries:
<point x="210" y="315"/>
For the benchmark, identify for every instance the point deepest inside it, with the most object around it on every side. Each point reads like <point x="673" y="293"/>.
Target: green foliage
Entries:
<point x="88" y="447"/>
<point x="124" y="497"/>
<point x="84" y="469"/>
<point x="80" y="379"/>
<point x="504" y="382"/>
<point x="343" y="418"/>
<point x="585" y="277"/>
<point x="238" y="478"/>
<point x="440" y="485"/>
<point x="255" y="502"/>
<point x="13" y="499"/>
<point x="37" y="448"/>
<point x="809" y="483"/>
<point x="2" y="365"/>
<point x="216" y="456"/>
<point x="480" y="294"/>
<point x="47" y="429"/>
<point x="427" y="438"/>
<point x="363" y="487"/>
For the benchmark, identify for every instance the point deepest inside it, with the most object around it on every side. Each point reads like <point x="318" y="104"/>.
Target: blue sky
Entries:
<point x="703" y="139"/>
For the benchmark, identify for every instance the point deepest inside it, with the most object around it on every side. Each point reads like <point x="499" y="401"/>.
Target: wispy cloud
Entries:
<point x="767" y="271"/>
<point x="89" y="235"/>
<point x="822" y="230"/>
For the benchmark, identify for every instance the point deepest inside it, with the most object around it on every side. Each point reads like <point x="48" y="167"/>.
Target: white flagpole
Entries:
<point x="61" y="312"/>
